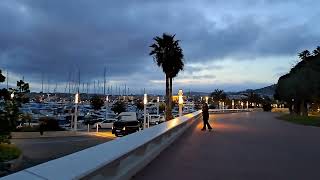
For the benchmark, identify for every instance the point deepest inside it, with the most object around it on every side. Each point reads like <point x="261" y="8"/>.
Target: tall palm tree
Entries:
<point x="168" y="55"/>
<point x="218" y="95"/>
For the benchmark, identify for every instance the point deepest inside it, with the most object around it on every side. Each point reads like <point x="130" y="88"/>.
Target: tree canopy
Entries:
<point x="302" y="84"/>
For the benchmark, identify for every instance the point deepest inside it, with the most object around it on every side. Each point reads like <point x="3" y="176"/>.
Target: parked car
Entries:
<point x="127" y="123"/>
<point x="154" y="119"/>
<point x="108" y="124"/>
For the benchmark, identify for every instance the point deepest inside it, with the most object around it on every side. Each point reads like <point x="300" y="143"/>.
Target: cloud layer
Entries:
<point x="55" y="38"/>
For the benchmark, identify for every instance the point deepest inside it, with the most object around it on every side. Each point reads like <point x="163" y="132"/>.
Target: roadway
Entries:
<point x="39" y="150"/>
<point x="243" y="146"/>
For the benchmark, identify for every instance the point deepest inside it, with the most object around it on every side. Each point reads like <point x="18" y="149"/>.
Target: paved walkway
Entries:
<point x="243" y="146"/>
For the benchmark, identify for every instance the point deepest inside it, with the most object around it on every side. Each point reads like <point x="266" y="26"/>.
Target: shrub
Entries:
<point x="8" y="152"/>
<point x="49" y="124"/>
<point x="267" y="107"/>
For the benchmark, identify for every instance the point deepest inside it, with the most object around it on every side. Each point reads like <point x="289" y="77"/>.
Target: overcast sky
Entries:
<point x="232" y="45"/>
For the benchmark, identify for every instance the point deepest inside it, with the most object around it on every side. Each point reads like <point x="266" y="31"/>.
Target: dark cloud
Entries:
<point x="58" y="37"/>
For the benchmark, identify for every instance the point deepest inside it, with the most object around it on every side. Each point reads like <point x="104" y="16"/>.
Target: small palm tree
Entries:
<point x="168" y="55"/>
<point x="316" y="52"/>
<point x="2" y="78"/>
<point x="304" y="55"/>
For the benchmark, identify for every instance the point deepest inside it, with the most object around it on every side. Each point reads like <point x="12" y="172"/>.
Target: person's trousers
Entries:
<point x="206" y="124"/>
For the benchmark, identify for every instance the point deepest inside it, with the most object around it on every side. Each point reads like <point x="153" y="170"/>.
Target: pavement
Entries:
<point x="40" y="150"/>
<point x="242" y="146"/>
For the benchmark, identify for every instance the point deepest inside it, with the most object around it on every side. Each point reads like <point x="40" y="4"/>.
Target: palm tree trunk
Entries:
<point x="167" y="98"/>
<point x="170" y="99"/>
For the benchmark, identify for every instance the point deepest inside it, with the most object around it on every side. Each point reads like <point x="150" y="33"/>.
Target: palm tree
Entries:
<point x="316" y="52"/>
<point x="168" y="55"/>
<point x="2" y="78"/>
<point x="304" y="55"/>
<point x="218" y="95"/>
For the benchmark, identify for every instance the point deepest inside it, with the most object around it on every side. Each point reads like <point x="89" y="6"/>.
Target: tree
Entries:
<point x="218" y="95"/>
<point x="304" y="55"/>
<point x="96" y="102"/>
<point x="168" y="55"/>
<point x="301" y="85"/>
<point x="2" y="78"/>
<point x="316" y="52"/>
<point x="119" y="107"/>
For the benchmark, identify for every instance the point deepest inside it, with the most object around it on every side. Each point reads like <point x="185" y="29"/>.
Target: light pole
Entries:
<point x="158" y="104"/>
<point x="145" y="101"/>
<point x="106" y="104"/>
<point x="76" y="101"/>
<point x="207" y="99"/>
<point x="241" y="105"/>
<point x="232" y="104"/>
<point x="180" y="102"/>
<point x="247" y="105"/>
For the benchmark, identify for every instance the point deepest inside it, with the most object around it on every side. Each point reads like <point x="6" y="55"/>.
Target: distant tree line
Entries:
<point x="301" y="86"/>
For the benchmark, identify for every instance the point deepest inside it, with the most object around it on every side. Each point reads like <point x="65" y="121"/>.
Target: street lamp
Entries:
<point x="180" y="102"/>
<point x="76" y="101"/>
<point x="145" y="101"/>
<point x="107" y="104"/>
<point x="158" y="104"/>
<point x="207" y="98"/>
<point x="241" y="105"/>
<point x="232" y="104"/>
<point x="247" y="105"/>
<point x="12" y="95"/>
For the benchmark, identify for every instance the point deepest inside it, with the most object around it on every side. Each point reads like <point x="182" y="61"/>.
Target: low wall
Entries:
<point x="118" y="159"/>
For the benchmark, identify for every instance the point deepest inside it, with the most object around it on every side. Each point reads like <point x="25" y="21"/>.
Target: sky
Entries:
<point x="231" y="45"/>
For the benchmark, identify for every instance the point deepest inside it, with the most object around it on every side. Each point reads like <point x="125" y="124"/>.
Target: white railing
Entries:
<point x="118" y="159"/>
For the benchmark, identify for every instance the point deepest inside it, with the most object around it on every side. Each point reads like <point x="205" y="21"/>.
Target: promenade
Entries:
<point x="243" y="146"/>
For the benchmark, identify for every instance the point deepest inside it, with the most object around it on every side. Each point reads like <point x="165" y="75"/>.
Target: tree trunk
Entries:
<point x="170" y="99"/>
<point x="303" y="108"/>
<point x="167" y="110"/>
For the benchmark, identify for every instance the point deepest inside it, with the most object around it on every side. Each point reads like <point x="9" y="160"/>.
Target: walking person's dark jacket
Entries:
<point x="205" y="116"/>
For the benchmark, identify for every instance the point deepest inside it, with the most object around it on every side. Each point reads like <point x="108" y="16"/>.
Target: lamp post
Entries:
<point x="12" y="95"/>
<point x="247" y="105"/>
<point x="158" y="104"/>
<point x="241" y="105"/>
<point x="76" y="101"/>
<point x="232" y="104"/>
<point x="106" y="104"/>
<point x="145" y="101"/>
<point x="207" y="99"/>
<point x="180" y="102"/>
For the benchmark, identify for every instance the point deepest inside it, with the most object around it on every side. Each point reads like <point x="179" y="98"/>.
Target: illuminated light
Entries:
<point x="12" y="95"/>
<point x="76" y="99"/>
<point x="158" y="99"/>
<point x="145" y="99"/>
<point x="107" y="98"/>
<point x="207" y="98"/>
<point x="180" y="96"/>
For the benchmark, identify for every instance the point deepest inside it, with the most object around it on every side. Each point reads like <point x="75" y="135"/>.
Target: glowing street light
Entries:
<point x="180" y="94"/>
<point x="232" y="104"/>
<point x="241" y="105"/>
<point x="247" y="105"/>
<point x="207" y="99"/>
<point x="76" y="101"/>
<point x="12" y="95"/>
<point x="158" y="104"/>
<point x="145" y="101"/>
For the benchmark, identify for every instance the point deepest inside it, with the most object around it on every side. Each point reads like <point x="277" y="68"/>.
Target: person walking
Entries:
<point x="205" y="116"/>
